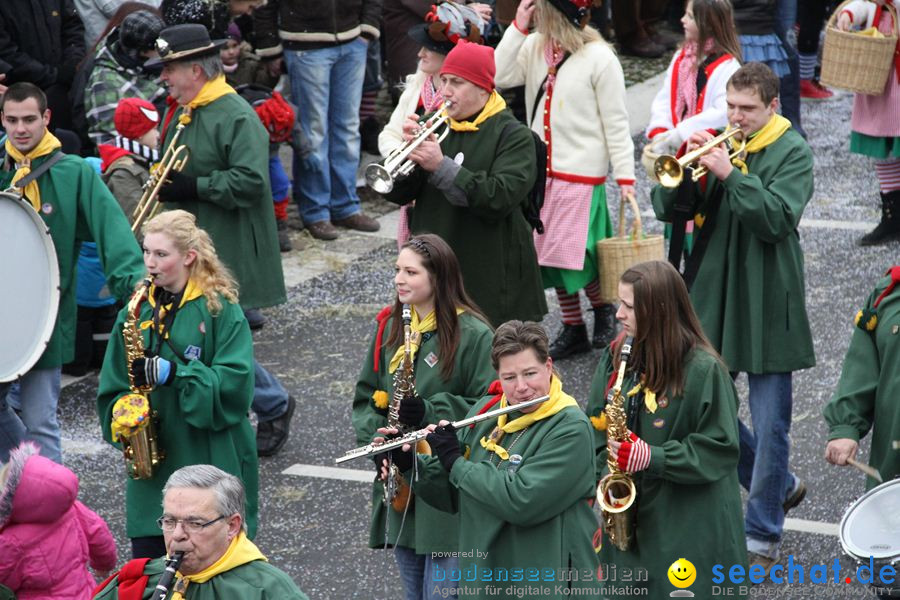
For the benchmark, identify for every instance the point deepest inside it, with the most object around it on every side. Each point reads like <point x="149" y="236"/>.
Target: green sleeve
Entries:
<point x="475" y="373"/>
<point x="101" y="220"/>
<point x="711" y="451"/>
<point x="596" y="404"/>
<point x="433" y="484"/>
<point x="113" y="377"/>
<point x="772" y="211"/>
<point x="246" y="180"/>
<point x="217" y="396"/>
<point x="366" y="418"/>
<point x="851" y="412"/>
<point x="495" y="194"/>
<point x="663" y="200"/>
<point x="546" y="483"/>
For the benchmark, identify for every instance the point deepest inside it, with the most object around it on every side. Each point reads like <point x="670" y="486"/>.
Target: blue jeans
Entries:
<point x="326" y="84"/>
<point x="37" y="399"/>
<point x="270" y="399"/>
<point x="763" y="465"/>
<point x="785" y="17"/>
<point x="417" y="572"/>
<point x="281" y="185"/>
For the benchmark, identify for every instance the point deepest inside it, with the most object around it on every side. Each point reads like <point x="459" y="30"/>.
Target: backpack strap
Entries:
<point x="37" y="172"/>
<point x="539" y="95"/>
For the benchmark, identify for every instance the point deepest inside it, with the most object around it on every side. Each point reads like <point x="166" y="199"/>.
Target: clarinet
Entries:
<point x="162" y="587"/>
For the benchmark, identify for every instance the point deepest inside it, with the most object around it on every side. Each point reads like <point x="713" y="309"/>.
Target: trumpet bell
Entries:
<point x="668" y="171"/>
<point x="379" y="179"/>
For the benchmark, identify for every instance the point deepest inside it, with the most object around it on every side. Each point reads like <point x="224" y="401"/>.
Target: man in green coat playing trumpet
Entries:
<point x="746" y="279"/>
<point x="226" y="185"/>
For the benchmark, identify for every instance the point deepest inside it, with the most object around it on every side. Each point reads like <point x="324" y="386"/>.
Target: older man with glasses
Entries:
<point x="203" y="519"/>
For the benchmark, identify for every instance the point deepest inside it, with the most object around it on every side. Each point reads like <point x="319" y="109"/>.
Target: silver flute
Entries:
<point x="414" y="436"/>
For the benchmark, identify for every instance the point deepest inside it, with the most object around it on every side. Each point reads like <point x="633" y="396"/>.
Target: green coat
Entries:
<point x="230" y="158"/>
<point x="688" y="499"/>
<point x="257" y="580"/>
<point x="490" y="236"/>
<point x="426" y="529"/>
<point x="749" y="292"/>
<point x="867" y="393"/>
<point x="77" y="207"/>
<point x="536" y="517"/>
<point x="202" y="414"/>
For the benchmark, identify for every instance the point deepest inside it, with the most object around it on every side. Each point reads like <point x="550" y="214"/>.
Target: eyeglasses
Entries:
<point x="168" y="524"/>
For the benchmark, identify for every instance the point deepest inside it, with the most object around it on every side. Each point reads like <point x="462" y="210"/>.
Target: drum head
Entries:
<point x="30" y="276"/>
<point x="871" y="526"/>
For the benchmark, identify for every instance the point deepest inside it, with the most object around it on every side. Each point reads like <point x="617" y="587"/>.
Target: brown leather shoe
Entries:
<point x="322" y="230"/>
<point x="359" y="222"/>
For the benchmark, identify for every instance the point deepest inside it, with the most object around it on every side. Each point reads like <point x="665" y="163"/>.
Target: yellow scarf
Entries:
<point x="495" y="104"/>
<point x="240" y="552"/>
<point x="48" y="144"/>
<point x="417" y="328"/>
<point x="766" y="136"/>
<point x="192" y="291"/>
<point x="558" y="401"/>
<point x="211" y="91"/>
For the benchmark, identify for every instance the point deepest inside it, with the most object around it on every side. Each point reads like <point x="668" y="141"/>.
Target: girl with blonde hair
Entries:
<point x="198" y="360"/>
<point x="575" y="97"/>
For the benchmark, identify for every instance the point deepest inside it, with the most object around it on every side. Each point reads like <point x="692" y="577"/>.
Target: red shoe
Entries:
<point x="810" y="89"/>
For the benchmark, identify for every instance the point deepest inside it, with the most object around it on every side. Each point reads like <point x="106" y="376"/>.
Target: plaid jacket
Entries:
<point x="110" y="81"/>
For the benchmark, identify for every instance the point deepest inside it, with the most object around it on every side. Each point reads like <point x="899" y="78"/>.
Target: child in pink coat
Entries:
<point x="48" y="537"/>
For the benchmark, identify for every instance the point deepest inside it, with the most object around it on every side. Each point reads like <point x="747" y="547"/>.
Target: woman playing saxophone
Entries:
<point x="197" y="362"/>
<point x="681" y="441"/>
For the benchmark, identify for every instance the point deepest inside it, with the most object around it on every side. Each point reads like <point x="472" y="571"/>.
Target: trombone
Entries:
<point x="670" y="170"/>
<point x="174" y="159"/>
<point x="381" y="176"/>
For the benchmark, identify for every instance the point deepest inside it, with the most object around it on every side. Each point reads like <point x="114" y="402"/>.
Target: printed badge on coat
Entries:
<point x="431" y="359"/>
<point x="192" y="352"/>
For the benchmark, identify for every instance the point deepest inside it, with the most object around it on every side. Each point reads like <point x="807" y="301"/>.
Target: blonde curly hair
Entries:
<point x="207" y="271"/>
<point x="553" y="24"/>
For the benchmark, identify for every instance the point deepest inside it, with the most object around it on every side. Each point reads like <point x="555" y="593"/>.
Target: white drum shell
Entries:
<point x="871" y="526"/>
<point x="29" y="280"/>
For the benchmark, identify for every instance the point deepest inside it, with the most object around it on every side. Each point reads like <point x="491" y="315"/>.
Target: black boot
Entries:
<point x="284" y="238"/>
<point x="604" y="325"/>
<point x="573" y="339"/>
<point x="889" y="228"/>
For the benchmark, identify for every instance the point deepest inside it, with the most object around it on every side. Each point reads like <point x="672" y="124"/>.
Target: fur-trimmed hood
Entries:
<point x="37" y="490"/>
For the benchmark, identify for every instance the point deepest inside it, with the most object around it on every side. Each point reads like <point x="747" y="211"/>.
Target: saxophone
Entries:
<point x="133" y="421"/>
<point x="396" y="489"/>
<point x="616" y="493"/>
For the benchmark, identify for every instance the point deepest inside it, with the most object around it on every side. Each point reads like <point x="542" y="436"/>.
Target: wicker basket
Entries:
<point x="616" y="254"/>
<point x="856" y="62"/>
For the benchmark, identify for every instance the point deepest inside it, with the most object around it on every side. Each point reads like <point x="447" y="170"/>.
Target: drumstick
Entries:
<point x="870" y="471"/>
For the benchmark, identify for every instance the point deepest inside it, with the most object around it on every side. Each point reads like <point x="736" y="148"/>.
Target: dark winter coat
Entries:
<point x="754" y="17"/>
<point x="306" y="24"/>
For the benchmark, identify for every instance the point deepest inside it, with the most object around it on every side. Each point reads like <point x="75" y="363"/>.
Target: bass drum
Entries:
<point x="30" y="276"/>
<point x="871" y="528"/>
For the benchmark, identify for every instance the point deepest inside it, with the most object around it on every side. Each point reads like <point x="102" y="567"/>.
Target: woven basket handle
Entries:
<point x="637" y="228"/>
<point x="832" y="20"/>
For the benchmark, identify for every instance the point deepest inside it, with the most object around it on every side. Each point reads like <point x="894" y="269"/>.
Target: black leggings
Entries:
<point x="811" y="15"/>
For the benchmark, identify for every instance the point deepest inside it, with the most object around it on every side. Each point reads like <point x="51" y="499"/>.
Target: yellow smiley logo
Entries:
<point x="682" y="573"/>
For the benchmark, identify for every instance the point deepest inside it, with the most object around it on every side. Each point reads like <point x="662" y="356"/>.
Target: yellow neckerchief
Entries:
<point x="48" y="144"/>
<point x="495" y="104"/>
<point x="240" y="552"/>
<point x="417" y="328"/>
<point x="558" y="400"/>
<point x="766" y="136"/>
<point x="649" y="396"/>
<point x="211" y="91"/>
<point x="191" y="292"/>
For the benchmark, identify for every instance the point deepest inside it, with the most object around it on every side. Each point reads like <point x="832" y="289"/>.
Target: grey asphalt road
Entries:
<point x="316" y="528"/>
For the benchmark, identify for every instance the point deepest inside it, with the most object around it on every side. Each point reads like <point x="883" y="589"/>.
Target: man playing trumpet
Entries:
<point x="745" y="273"/>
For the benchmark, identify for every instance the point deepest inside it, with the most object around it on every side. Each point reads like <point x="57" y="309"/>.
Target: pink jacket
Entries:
<point x="47" y="536"/>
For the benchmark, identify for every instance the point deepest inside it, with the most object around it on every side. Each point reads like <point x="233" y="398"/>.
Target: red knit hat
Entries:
<point x="134" y="117"/>
<point x="472" y="62"/>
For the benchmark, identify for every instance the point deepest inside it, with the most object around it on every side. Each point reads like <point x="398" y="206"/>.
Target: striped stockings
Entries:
<point x="570" y="304"/>
<point x="888" y="172"/>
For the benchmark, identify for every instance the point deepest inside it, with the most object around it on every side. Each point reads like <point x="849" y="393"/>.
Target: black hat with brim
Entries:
<point x="421" y="34"/>
<point x="181" y="42"/>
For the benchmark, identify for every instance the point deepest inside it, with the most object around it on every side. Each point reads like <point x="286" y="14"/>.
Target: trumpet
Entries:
<point x="174" y="159"/>
<point x="414" y="436"/>
<point x="670" y="170"/>
<point x="396" y="165"/>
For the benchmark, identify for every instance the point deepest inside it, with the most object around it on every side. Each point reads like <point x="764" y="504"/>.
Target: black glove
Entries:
<point x="152" y="371"/>
<point x="445" y="444"/>
<point x="412" y="411"/>
<point x="179" y="188"/>
<point x="403" y="460"/>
